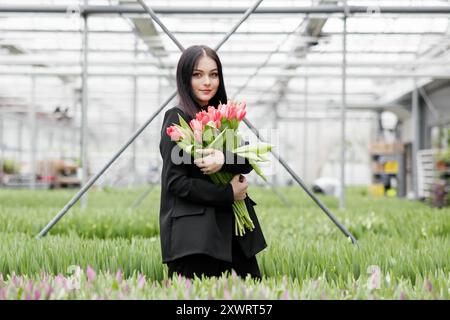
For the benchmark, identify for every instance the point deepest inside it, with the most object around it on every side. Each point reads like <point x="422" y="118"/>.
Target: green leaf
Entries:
<point x="183" y="123"/>
<point x="249" y="155"/>
<point x="218" y="142"/>
<point x="259" y="148"/>
<point x="258" y="170"/>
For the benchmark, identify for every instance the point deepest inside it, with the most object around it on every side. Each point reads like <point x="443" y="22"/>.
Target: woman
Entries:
<point x="196" y="216"/>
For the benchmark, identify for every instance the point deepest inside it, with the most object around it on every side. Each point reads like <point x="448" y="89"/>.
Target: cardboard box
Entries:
<point x="376" y="190"/>
<point x="386" y="148"/>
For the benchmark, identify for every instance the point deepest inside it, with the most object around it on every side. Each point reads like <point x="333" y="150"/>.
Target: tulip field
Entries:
<point x="112" y="251"/>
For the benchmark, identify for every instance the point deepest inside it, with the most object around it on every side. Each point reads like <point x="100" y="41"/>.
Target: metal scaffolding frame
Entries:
<point x="86" y="187"/>
<point x="340" y="11"/>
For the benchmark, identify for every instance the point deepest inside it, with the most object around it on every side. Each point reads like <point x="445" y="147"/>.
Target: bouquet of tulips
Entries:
<point x="216" y="128"/>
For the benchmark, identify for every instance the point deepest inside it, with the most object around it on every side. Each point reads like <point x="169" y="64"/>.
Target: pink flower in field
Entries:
<point x="403" y="296"/>
<point x="429" y="286"/>
<point x="29" y="286"/>
<point x="14" y="280"/>
<point x="60" y="280"/>
<point x="48" y="291"/>
<point x="226" y="294"/>
<point x="90" y="273"/>
<point x="119" y="276"/>
<point x="374" y="279"/>
<point x="37" y="294"/>
<point x="285" y="295"/>
<point x="188" y="283"/>
<point x="141" y="281"/>
<point x="2" y="294"/>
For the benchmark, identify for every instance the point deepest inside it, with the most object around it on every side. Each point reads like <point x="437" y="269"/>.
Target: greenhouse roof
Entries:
<point x="272" y="60"/>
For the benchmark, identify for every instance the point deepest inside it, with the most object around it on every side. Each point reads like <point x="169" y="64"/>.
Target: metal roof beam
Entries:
<point x="325" y="9"/>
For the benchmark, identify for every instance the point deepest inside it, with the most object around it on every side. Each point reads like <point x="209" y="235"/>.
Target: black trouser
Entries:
<point x="204" y="265"/>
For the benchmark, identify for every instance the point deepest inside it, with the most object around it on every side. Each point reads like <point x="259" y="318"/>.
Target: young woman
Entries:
<point x="196" y="216"/>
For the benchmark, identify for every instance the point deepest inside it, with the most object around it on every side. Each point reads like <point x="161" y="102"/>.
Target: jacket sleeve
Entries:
<point x="176" y="176"/>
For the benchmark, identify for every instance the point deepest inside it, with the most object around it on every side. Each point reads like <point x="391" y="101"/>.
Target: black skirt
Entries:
<point x="203" y="265"/>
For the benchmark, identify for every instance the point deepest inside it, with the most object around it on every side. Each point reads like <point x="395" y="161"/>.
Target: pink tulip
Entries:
<point x="231" y="112"/>
<point x="241" y="114"/>
<point x="223" y="108"/>
<point x="242" y="105"/>
<point x="202" y="117"/>
<point x="174" y="133"/>
<point x="90" y="273"/>
<point x="37" y="294"/>
<point x="196" y="125"/>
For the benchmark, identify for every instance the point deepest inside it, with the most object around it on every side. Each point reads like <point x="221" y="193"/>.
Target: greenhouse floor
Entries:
<point x="112" y="251"/>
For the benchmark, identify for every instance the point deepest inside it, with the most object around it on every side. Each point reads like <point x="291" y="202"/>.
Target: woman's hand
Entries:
<point x="240" y="185"/>
<point x="211" y="162"/>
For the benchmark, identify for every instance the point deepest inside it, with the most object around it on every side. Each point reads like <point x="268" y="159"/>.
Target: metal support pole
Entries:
<point x="19" y="140"/>
<point x="92" y="180"/>
<point x="141" y="198"/>
<point x="305" y="130"/>
<point x="134" y="124"/>
<point x="415" y="137"/>
<point x="343" y="107"/>
<point x="33" y="134"/>
<point x="84" y="110"/>
<point x="276" y="124"/>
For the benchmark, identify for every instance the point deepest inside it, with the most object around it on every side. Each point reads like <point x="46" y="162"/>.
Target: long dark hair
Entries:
<point x="188" y="61"/>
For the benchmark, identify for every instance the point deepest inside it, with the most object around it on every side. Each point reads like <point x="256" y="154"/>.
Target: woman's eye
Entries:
<point x="214" y="74"/>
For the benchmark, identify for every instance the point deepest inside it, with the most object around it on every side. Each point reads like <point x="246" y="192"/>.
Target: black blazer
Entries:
<point x="195" y="214"/>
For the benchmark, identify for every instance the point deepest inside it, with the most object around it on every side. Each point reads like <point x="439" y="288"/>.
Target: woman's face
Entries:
<point x="205" y="80"/>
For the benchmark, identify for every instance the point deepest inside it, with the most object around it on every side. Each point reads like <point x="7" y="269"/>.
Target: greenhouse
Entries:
<point x="215" y="150"/>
